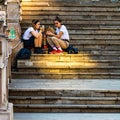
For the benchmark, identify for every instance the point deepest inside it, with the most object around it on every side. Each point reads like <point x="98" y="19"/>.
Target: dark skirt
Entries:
<point x="29" y="43"/>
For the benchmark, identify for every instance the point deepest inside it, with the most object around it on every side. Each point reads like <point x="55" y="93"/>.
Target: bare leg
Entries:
<point x="38" y="41"/>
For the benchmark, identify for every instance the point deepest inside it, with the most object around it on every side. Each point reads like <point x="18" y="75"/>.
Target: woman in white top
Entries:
<point x="32" y="37"/>
<point x="60" y="40"/>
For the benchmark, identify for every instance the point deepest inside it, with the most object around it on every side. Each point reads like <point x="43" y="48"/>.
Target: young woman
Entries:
<point x="32" y="37"/>
<point x="60" y="40"/>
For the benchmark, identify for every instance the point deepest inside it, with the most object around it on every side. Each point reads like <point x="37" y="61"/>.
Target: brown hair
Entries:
<point x="58" y="19"/>
<point x="34" y="22"/>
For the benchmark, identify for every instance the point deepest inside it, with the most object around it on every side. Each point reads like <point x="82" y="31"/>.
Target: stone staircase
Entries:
<point x="45" y="95"/>
<point x="68" y="66"/>
<point x="55" y="83"/>
<point x="93" y="24"/>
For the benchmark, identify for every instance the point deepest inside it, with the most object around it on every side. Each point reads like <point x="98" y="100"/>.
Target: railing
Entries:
<point x="4" y="56"/>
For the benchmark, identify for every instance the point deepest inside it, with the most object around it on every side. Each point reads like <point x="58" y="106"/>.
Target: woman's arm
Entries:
<point x="54" y="35"/>
<point x="35" y="34"/>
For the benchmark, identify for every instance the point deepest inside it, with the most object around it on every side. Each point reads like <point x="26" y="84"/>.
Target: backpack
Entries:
<point x="72" y="50"/>
<point x="24" y="53"/>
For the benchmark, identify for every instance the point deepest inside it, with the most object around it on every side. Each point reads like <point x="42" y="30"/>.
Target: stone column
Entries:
<point x="13" y="16"/>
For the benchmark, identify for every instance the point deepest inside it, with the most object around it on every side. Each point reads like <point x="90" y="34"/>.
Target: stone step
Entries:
<point x="65" y="87"/>
<point x="100" y="36"/>
<point x="77" y="57"/>
<point x="72" y="71"/>
<point x="86" y="2"/>
<point x="45" y="63"/>
<point x="70" y="3"/>
<point x="73" y="18"/>
<point x="109" y="52"/>
<point x="73" y="8"/>
<point x="76" y="22"/>
<point x="100" y="47"/>
<point x="64" y="100"/>
<point x="57" y="75"/>
<point x="66" y="116"/>
<point x="81" y="27"/>
<point x="94" y="42"/>
<point x="67" y="108"/>
<point x="70" y="13"/>
<point x="94" y="32"/>
<point x="67" y="64"/>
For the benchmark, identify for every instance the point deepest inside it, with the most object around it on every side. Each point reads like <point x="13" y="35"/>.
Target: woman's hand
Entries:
<point x="42" y="29"/>
<point x="49" y="33"/>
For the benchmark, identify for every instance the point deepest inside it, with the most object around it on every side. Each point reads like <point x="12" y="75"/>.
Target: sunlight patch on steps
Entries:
<point x="59" y="61"/>
<point x="25" y="2"/>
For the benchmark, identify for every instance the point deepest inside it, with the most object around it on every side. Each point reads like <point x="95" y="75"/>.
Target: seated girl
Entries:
<point x="60" y="40"/>
<point x="32" y="37"/>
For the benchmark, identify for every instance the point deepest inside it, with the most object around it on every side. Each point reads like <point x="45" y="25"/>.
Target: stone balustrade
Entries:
<point x="9" y="18"/>
<point x="6" y="109"/>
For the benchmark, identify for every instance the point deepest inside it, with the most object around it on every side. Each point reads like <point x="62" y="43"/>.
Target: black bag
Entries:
<point x="24" y="53"/>
<point x="72" y="50"/>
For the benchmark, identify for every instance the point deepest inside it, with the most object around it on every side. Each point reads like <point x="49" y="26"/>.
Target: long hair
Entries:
<point x="34" y="22"/>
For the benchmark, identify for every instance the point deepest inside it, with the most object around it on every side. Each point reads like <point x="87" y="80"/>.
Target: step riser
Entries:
<point x="57" y="110"/>
<point x="68" y="93"/>
<point x="82" y="56"/>
<point x="72" y="71"/>
<point x="58" y="76"/>
<point x="59" y="101"/>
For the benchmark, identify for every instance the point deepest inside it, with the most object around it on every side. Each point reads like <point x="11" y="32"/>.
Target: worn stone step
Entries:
<point x="70" y="13"/>
<point x="70" y="3"/>
<point x="81" y="27"/>
<point x="75" y="17"/>
<point x="97" y="31"/>
<point x="77" y="22"/>
<point x="64" y="100"/>
<point x="66" y="116"/>
<point x="109" y="52"/>
<point x="67" y="108"/>
<point x="81" y="62"/>
<point x="56" y="75"/>
<point x="76" y="70"/>
<point x="76" y="57"/>
<point x="65" y="87"/>
<point x="68" y="64"/>
<point x="94" y="36"/>
<point x="95" y="41"/>
<point x="78" y="27"/>
<point x="84" y="2"/>
<point x="98" y="47"/>
<point x="45" y="7"/>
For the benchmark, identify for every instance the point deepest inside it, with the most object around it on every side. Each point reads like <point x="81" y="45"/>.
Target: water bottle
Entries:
<point x="12" y="33"/>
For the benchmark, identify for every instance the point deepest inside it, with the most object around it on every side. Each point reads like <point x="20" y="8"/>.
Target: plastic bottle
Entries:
<point x="12" y="34"/>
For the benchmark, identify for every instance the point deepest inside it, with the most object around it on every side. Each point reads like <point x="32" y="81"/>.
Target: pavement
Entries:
<point x="66" y="116"/>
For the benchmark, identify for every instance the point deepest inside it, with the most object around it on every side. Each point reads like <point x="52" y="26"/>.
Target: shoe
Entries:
<point x="59" y="52"/>
<point x="38" y="51"/>
<point x="53" y="52"/>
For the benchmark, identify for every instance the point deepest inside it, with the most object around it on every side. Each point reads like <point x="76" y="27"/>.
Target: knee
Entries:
<point x="53" y="38"/>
